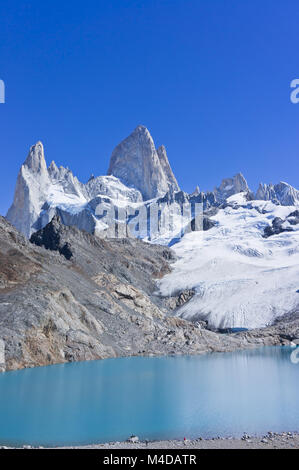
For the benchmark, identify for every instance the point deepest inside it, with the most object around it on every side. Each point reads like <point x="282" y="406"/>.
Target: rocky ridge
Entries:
<point x="100" y="303"/>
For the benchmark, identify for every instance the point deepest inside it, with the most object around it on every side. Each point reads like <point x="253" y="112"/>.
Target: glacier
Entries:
<point x="240" y="278"/>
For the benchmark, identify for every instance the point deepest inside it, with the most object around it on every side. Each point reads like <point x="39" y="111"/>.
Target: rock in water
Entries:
<point x="136" y="162"/>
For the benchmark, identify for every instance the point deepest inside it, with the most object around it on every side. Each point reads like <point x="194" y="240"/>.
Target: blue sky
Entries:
<point x="209" y="78"/>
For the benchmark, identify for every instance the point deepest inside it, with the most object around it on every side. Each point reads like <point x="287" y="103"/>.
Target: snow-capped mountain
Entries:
<point x="242" y="275"/>
<point x="139" y="178"/>
<point x="230" y="186"/>
<point x="242" y="260"/>
<point x="137" y="172"/>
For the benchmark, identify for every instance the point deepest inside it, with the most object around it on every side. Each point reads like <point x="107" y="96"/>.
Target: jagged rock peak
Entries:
<point x="142" y="129"/>
<point x="137" y="163"/>
<point x="282" y="193"/>
<point x="265" y="191"/>
<point x="31" y="189"/>
<point x="35" y="160"/>
<point x="230" y="186"/>
<point x="196" y="192"/>
<point x="162" y="154"/>
<point x="53" y="166"/>
<point x="53" y="169"/>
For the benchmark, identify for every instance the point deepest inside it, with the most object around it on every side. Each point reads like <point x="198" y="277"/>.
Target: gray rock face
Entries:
<point x="31" y="190"/>
<point x="279" y="225"/>
<point x="101" y="303"/>
<point x="36" y="160"/>
<point x="50" y="238"/>
<point x="137" y="163"/>
<point x="276" y="228"/>
<point x="173" y="184"/>
<point x="266" y="192"/>
<point x="230" y="186"/>
<point x="64" y="178"/>
<point x="281" y="193"/>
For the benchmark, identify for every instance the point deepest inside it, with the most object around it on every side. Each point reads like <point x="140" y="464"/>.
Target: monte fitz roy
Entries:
<point x="119" y="266"/>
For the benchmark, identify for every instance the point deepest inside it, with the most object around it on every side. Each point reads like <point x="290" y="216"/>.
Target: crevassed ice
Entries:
<point x="241" y="279"/>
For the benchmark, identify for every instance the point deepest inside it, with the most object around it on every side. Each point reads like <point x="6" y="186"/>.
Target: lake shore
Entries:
<point x="285" y="440"/>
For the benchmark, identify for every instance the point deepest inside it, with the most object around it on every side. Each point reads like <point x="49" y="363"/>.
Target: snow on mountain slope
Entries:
<point x="240" y="278"/>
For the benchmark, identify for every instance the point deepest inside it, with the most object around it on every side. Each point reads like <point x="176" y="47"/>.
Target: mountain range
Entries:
<point x="78" y="281"/>
<point x="138" y="174"/>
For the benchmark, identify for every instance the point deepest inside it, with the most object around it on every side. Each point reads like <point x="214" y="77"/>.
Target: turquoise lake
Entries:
<point x="155" y="398"/>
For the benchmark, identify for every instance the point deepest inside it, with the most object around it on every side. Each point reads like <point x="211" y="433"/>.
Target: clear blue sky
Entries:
<point x="209" y="78"/>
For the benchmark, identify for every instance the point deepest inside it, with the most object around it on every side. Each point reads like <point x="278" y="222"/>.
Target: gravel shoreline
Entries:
<point x="285" y="440"/>
<point x="271" y="440"/>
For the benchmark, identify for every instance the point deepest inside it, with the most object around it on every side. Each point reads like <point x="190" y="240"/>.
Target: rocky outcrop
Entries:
<point x="50" y="238"/>
<point x="137" y="163"/>
<point x="284" y="330"/>
<point x="279" y="225"/>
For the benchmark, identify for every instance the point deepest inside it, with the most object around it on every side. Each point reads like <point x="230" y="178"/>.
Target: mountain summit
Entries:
<point x="137" y="163"/>
<point x="31" y="190"/>
<point x="139" y="178"/>
<point x="282" y="193"/>
<point x="230" y="186"/>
